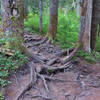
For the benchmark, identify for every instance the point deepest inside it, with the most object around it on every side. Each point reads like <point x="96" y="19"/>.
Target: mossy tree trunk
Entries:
<point x="13" y="21"/>
<point x="53" y="21"/>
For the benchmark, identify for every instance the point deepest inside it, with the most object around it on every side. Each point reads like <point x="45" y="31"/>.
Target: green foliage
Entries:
<point x="68" y="26"/>
<point x="1" y="97"/>
<point x="98" y="44"/>
<point x="92" y="57"/>
<point x="8" y="64"/>
<point x="32" y="22"/>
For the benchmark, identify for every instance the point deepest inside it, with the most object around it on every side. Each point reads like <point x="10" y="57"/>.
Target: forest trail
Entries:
<point x="71" y="81"/>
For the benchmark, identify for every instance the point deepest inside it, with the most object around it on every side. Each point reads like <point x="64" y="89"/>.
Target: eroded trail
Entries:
<point x="46" y="77"/>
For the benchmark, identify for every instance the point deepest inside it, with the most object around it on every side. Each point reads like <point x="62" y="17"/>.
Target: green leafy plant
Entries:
<point x="92" y="57"/>
<point x="9" y="63"/>
<point x="1" y="97"/>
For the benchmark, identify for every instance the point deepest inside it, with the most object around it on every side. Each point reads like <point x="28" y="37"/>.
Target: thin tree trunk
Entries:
<point x="40" y="6"/>
<point x="53" y="21"/>
<point x="78" y="8"/>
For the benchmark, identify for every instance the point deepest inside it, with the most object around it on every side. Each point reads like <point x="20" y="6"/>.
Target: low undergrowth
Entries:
<point x="10" y="58"/>
<point x="9" y="62"/>
<point x="93" y="57"/>
<point x="98" y="44"/>
<point x="1" y="96"/>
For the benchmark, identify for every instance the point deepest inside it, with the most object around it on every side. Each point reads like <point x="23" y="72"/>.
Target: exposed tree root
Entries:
<point x="37" y="59"/>
<point x="52" y="78"/>
<point x="68" y="58"/>
<point x="52" y="61"/>
<point x="34" y="75"/>
<point x="44" y="82"/>
<point x="41" y="96"/>
<point x="28" y="87"/>
<point x="66" y="52"/>
<point x="54" y="69"/>
<point x="32" y="56"/>
<point x="48" y="68"/>
<point x="31" y="39"/>
<point x="32" y="82"/>
<point x="40" y="42"/>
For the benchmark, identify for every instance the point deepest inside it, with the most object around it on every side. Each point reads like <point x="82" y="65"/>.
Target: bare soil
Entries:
<point x="78" y="81"/>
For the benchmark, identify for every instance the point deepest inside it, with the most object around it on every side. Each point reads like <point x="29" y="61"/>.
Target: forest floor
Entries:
<point x="52" y="79"/>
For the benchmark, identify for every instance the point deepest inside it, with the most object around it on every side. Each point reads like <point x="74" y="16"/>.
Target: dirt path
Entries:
<point x="78" y="81"/>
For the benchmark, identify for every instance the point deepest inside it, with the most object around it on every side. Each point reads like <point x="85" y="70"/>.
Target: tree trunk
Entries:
<point x="13" y="20"/>
<point x="87" y="34"/>
<point x="40" y="6"/>
<point x="95" y="22"/>
<point x="83" y="10"/>
<point x="53" y="21"/>
<point x="6" y="14"/>
<point x="85" y="25"/>
<point x="25" y="8"/>
<point x="78" y="8"/>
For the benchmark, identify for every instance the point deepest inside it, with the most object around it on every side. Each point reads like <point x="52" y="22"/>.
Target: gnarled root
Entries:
<point x="69" y="57"/>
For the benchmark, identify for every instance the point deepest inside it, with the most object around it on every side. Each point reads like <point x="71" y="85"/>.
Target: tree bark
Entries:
<point x="85" y="25"/>
<point x="5" y="15"/>
<point x="13" y="20"/>
<point x="95" y="22"/>
<point x="78" y="8"/>
<point x="40" y="6"/>
<point x="53" y="21"/>
<point x="83" y="9"/>
<point x="87" y="34"/>
<point x="25" y="8"/>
